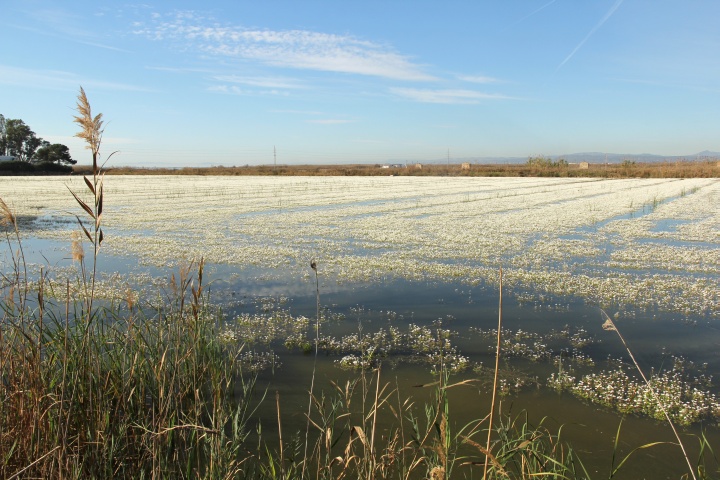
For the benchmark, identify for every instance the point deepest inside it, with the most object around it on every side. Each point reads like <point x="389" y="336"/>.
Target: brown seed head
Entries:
<point x="6" y="216"/>
<point x="90" y="127"/>
<point x="130" y="298"/>
<point x="78" y="253"/>
<point x="608" y="325"/>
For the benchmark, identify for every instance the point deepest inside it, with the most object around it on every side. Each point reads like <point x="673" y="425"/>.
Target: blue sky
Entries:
<point x="227" y="82"/>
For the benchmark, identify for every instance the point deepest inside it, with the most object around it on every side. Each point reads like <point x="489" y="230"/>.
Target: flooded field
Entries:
<point x="408" y="278"/>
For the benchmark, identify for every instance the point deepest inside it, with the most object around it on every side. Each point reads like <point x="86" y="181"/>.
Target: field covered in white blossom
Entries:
<point x="409" y="271"/>
<point x="630" y="243"/>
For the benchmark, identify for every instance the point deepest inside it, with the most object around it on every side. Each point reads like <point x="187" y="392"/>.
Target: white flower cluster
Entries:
<point x="535" y="346"/>
<point x="253" y="362"/>
<point x="678" y="392"/>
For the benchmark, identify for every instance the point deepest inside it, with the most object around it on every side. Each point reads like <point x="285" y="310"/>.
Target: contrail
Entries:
<point x="590" y="34"/>
<point x="536" y="11"/>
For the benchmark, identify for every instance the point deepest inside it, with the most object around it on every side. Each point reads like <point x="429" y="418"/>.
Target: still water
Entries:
<point x="654" y="337"/>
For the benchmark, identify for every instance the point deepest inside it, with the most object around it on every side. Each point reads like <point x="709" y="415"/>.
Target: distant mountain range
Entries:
<point x="592" y="157"/>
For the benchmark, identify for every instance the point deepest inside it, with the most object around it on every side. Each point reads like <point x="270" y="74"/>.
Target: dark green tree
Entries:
<point x="2" y="135"/>
<point x="18" y="140"/>
<point x="54" y="153"/>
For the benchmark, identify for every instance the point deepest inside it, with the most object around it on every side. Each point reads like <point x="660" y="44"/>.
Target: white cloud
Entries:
<point x="477" y="79"/>
<point x="235" y="90"/>
<point x="265" y="82"/>
<point x="57" y="80"/>
<point x="179" y="69"/>
<point x="298" y="112"/>
<point x="445" y="96"/>
<point x="290" y="48"/>
<point x="330" y="121"/>
<point x="59" y="23"/>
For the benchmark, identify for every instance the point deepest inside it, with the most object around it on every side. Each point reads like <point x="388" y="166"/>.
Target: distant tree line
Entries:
<point x="21" y="150"/>
<point x="546" y="162"/>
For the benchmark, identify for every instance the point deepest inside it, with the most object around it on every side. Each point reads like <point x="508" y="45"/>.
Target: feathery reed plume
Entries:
<point x="609" y="326"/>
<point x="130" y="298"/>
<point x="76" y="248"/>
<point x="7" y="218"/>
<point x="91" y="127"/>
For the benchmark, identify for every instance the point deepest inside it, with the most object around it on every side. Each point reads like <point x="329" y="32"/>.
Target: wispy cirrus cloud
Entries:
<point x="448" y="96"/>
<point x="300" y="49"/>
<point x="180" y="69"/>
<point x="58" y="22"/>
<point x="236" y="90"/>
<point x="298" y="112"/>
<point x="263" y="82"/>
<point x="477" y="79"/>
<point x="57" y="80"/>
<point x="330" y="121"/>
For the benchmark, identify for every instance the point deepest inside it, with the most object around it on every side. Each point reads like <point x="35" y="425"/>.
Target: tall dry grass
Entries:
<point x="113" y="390"/>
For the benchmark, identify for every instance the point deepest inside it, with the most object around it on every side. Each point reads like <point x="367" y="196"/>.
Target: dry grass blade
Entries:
<point x="89" y="185"/>
<point x="83" y="205"/>
<point x="87" y="233"/>
<point x="99" y="205"/>
<point x="469" y="381"/>
<point x="19" y="473"/>
<point x="487" y="454"/>
<point x="358" y="432"/>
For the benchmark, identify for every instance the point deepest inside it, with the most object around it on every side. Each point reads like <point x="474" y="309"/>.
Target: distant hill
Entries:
<point x="590" y="157"/>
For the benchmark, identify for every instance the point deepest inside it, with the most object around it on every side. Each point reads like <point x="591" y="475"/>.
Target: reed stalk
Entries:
<point x="313" y="265"/>
<point x="610" y="326"/>
<point x="495" y="380"/>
